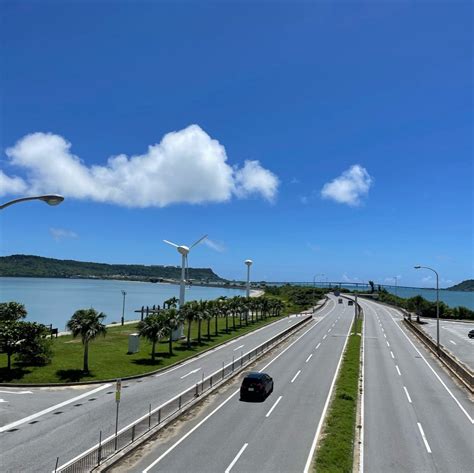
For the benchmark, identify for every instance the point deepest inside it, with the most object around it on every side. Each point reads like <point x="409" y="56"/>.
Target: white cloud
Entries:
<point x="186" y="166"/>
<point x="61" y="233"/>
<point x="347" y="278"/>
<point x="349" y="187"/>
<point x="11" y="185"/>
<point x="214" y="245"/>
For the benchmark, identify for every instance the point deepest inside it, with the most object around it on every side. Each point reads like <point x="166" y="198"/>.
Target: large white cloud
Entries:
<point x="186" y="166"/>
<point x="11" y="185"/>
<point x="350" y="187"/>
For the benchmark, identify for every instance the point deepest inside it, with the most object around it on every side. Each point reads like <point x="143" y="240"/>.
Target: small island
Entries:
<point x="466" y="286"/>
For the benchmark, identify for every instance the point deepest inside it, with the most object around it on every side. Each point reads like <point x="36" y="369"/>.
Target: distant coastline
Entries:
<point x="464" y="286"/>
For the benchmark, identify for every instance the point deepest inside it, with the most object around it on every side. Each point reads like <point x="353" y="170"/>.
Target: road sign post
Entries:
<point x="118" y="390"/>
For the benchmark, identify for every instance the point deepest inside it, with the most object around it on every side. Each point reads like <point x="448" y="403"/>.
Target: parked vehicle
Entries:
<point x="471" y="334"/>
<point x="256" y="386"/>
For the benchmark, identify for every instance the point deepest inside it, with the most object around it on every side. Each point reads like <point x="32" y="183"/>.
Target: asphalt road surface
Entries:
<point x="416" y="419"/>
<point x="40" y="426"/>
<point x="277" y="435"/>
<point x="453" y="337"/>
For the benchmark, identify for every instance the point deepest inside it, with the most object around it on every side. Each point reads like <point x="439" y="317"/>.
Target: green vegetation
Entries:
<point x="39" y="267"/>
<point x="424" y="308"/>
<point x="296" y="297"/>
<point x="335" y="453"/>
<point x="467" y="285"/>
<point x="223" y="319"/>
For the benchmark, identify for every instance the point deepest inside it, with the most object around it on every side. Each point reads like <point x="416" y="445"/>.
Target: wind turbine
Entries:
<point x="184" y="251"/>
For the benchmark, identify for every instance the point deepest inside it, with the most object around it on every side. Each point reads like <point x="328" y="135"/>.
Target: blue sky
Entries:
<point x="316" y="137"/>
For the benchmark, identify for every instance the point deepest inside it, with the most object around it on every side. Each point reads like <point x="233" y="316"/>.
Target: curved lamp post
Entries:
<point x="437" y="303"/>
<point x="50" y="199"/>
<point x="249" y="263"/>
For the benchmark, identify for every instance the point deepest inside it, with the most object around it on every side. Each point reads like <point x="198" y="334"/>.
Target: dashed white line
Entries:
<point x="235" y="349"/>
<point x="454" y="343"/>
<point x="398" y="370"/>
<point x="317" y="346"/>
<point x="424" y="438"/>
<point x="234" y="461"/>
<point x="273" y="407"/>
<point x="191" y="372"/>
<point x="295" y="376"/>
<point x="324" y="336"/>
<point x="309" y="358"/>
<point x="385" y="335"/>
<point x="329" y="330"/>
<point x="408" y="396"/>
<point x="391" y="354"/>
<point x="388" y="344"/>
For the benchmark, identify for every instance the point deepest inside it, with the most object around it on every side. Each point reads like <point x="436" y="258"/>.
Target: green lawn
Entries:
<point x="335" y="452"/>
<point x="108" y="357"/>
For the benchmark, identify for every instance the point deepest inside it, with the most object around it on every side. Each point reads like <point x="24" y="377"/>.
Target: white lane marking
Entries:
<point x="362" y="403"/>
<point x="424" y="438"/>
<point x="317" y="346"/>
<point x="234" y="461"/>
<point x="16" y="392"/>
<point x="329" y="330"/>
<point x="408" y="396"/>
<point x="52" y="408"/>
<point x="388" y="344"/>
<point x="383" y="330"/>
<point x="398" y="369"/>
<point x="191" y="372"/>
<point x="273" y="407"/>
<point x="3" y="400"/>
<point x="235" y="349"/>
<point x="436" y="374"/>
<point x="309" y="460"/>
<point x="309" y="358"/>
<point x="295" y="376"/>
<point x="391" y="354"/>
<point x="385" y="335"/>
<point x="324" y="336"/>
<point x="454" y="343"/>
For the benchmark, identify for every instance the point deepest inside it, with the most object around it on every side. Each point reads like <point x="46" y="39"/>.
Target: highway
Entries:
<point x="63" y="423"/>
<point x="415" y="418"/>
<point x="453" y="337"/>
<point x="277" y="435"/>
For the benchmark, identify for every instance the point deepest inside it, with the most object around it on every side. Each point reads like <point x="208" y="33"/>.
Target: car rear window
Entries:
<point x="251" y="381"/>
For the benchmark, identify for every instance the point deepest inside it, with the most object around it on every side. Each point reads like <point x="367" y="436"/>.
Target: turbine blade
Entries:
<point x="171" y="243"/>
<point x="199" y="241"/>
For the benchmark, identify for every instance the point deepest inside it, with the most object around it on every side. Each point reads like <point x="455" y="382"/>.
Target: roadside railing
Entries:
<point x="160" y="416"/>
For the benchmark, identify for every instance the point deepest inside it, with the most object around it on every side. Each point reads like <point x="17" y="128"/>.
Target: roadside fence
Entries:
<point x="160" y="416"/>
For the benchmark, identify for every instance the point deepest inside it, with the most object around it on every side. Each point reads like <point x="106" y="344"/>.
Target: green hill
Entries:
<point x="39" y="267"/>
<point x="467" y="285"/>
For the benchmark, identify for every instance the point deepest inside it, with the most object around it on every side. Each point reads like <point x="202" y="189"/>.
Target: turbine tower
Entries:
<point x="184" y="251"/>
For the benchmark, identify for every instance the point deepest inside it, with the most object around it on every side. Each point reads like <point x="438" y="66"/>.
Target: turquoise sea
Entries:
<point x="53" y="301"/>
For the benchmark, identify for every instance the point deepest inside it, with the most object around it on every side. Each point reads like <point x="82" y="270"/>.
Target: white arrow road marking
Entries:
<point x="191" y="372"/>
<point x="16" y="392"/>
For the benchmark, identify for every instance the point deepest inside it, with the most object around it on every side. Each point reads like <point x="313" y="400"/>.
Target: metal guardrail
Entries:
<point x="452" y="363"/>
<point x="158" y="417"/>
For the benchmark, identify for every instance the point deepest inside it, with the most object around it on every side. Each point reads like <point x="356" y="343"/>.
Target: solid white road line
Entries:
<point x="436" y="374"/>
<point x="16" y="392"/>
<point x="191" y="372"/>
<point x="424" y="438"/>
<point x="309" y="460"/>
<point x="52" y="408"/>
<point x="295" y="376"/>
<point x="362" y="403"/>
<point x="234" y="461"/>
<point x="235" y="349"/>
<point x="273" y="407"/>
<point x="408" y="396"/>
<point x="309" y="358"/>
<point x="391" y="354"/>
<point x="398" y="369"/>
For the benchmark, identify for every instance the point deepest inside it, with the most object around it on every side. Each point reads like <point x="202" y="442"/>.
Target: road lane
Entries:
<point x="73" y="428"/>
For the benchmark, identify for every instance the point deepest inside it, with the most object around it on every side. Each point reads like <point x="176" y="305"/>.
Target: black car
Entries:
<point x="350" y="302"/>
<point x="471" y="334"/>
<point x="256" y="386"/>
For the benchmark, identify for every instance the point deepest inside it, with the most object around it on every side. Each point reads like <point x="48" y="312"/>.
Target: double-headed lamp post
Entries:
<point x="124" y="293"/>
<point x="249" y="263"/>
<point x="437" y="302"/>
<point x="50" y="199"/>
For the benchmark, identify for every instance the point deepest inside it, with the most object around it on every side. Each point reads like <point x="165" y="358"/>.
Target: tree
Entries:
<point x="12" y="312"/>
<point x="189" y="311"/>
<point x="10" y="331"/>
<point x="88" y="324"/>
<point x="34" y="348"/>
<point x="153" y="327"/>
<point x="372" y="286"/>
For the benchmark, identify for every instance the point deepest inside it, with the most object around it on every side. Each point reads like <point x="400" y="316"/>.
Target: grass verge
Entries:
<point x="108" y="357"/>
<point x="336" y="449"/>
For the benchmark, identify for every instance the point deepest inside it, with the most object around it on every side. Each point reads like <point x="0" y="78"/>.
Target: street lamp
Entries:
<point x="437" y="303"/>
<point x="50" y="199"/>
<point x="249" y="263"/>
<point x="123" y="307"/>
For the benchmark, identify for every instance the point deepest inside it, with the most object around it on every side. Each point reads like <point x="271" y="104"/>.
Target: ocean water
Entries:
<point x="53" y="301"/>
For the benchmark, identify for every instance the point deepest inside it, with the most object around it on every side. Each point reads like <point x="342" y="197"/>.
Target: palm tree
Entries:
<point x="88" y="324"/>
<point x="172" y="320"/>
<point x="152" y="327"/>
<point x="189" y="310"/>
<point x="171" y="303"/>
